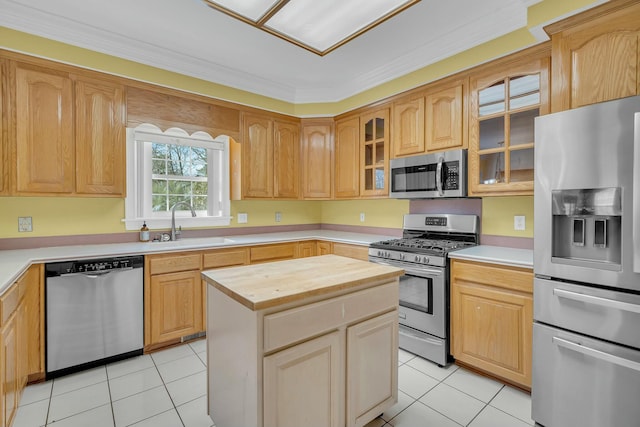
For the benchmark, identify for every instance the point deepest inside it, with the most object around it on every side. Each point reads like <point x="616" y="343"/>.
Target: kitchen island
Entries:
<point x="310" y="341"/>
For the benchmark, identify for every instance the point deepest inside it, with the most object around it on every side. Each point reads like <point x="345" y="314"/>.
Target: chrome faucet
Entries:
<point x="174" y="235"/>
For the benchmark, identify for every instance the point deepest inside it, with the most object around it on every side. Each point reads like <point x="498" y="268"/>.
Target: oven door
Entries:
<point x="422" y="297"/>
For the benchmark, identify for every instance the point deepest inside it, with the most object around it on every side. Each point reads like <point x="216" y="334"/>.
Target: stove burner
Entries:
<point x="420" y="245"/>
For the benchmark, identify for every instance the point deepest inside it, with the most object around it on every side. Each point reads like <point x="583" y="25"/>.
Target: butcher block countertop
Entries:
<point x="268" y="285"/>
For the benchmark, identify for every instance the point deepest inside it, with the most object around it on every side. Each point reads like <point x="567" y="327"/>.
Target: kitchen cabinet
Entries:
<point x="492" y="319"/>
<point x="15" y="349"/>
<point x="173" y="298"/>
<point x="44" y="136"/>
<point x="100" y="137"/>
<point x="273" y="252"/>
<point x="350" y="251"/>
<point x="347" y="158"/>
<point x="505" y="98"/>
<point x="307" y="249"/>
<point x="408" y="126"/>
<point x="33" y="283"/>
<point x="595" y="56"/>
<point x="270" y="158"/>
<point x="374" y="153"/>
<point x="317" y="159"/>
<point x="4" y="152"/>
<point x="342" y="343"/>
<point x="445" y="121"/>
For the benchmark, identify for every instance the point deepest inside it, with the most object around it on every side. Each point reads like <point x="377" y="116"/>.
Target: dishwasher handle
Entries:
<point x="95" y="274"/>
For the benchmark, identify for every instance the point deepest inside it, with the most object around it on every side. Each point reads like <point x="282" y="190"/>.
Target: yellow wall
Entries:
<point x="386" y="213"/>
<point x="498" y="213"/>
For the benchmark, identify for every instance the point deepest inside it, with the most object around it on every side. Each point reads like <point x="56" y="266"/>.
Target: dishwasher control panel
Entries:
<point x="93" y="265"/>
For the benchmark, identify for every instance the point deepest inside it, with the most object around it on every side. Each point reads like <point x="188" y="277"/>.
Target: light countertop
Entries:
<point x="14" y="262"/>
<point x="496" y="255"/>
<point x="261" y="286"/>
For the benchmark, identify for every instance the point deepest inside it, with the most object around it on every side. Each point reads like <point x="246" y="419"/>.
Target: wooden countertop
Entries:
<point x="261" y="286"/>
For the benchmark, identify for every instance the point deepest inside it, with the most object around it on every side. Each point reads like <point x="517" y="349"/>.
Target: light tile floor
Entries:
<point x="168" y="389"/>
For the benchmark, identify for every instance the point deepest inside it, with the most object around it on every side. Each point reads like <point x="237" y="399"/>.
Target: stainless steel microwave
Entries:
<point x="429" y="176"/>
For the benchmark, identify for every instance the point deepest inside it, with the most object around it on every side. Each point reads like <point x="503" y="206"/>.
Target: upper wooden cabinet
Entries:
<point x="317" y="159"/>
<point x="432" y="120"/>
<point x="408" y="126"/>
<point x="69" y="133"/>
<point x="596" y="55"/>
<point x="374" y="153"/>
<point x="100" y="137"/>
<point x="505" y="98"/>
<point x="4" y="154"/>
<point x="445" y="122"/>
<point x="347" y="158"/>
<point x="44" y="143"/>
<point x="270" y="158"/>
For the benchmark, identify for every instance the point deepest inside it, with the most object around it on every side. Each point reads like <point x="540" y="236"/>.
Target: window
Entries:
<point x="165" y="168"/>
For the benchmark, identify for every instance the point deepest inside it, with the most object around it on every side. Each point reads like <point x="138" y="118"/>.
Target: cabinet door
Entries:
<point x="598" y="60"/>
<point x="286" y="158"/>
<point x="444" y="119"/>
<point x="100" y="138"/>
<point x="408" y="127"/>
<point x="257" y="157"/>
<point x="4" y="152"/>
<point x="372" y="368"/>
<point x="324" y="248"/>
<point x="491" y="329"/>
<point x="374" y="153"/>
<point x="44" y="132"/>
<point x="347" y="159"/>
<point x="306" y="249"/>
<point x="33" y="284"/>
<point x="503" y="108"/>
<point x="303" y="385"/>
<point x="317" y="161"/>
<point x="176" y="305"/>
<point x="9" y="370"/>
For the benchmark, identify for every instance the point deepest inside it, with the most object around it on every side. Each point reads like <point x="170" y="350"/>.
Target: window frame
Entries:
<point x="139" y="179"/>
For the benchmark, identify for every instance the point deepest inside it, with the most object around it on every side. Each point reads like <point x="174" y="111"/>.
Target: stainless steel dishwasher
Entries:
<point x="94" y="312"/>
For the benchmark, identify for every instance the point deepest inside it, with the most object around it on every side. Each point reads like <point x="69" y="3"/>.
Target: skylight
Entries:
<point x="318" y="26"/>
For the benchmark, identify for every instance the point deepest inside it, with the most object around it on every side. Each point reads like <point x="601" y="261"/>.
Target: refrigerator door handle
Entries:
<point x="636" y="193"/>
<point x="603" y="302"/>
<point x="597" y="354"/>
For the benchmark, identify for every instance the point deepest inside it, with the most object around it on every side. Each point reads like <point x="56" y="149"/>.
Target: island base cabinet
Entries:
<point x="372" y="360"/>
<point x="307" y="372"/>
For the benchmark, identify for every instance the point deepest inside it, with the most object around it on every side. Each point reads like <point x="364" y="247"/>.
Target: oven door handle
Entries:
<point x="439" y="176"/>
<point x="597" y="354"/>
<point x="420" y="272"/>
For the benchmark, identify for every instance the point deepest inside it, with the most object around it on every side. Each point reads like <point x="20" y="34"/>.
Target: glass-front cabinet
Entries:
<point x="374" y="153"/>
<point x="504" y="106"/>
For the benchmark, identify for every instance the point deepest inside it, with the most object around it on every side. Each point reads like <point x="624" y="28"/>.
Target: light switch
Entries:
<point x="519" y="223"/>
<point x="242" y="218"/>
<point x="24" y="224"/>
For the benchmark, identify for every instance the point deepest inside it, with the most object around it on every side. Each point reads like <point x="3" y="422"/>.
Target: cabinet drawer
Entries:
<point x="519" y="279"/>
<point x="300" y="323"/>
<point x="9" y="301"/>
<point x="174" y="262"/>
<point x="225" y="258"/>
<point x="351" y="251"/>
<point x="276" y="252"/>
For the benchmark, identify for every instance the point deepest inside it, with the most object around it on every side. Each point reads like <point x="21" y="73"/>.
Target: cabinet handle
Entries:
<point x="597" y="354"/>
<point x="604" y="302"/>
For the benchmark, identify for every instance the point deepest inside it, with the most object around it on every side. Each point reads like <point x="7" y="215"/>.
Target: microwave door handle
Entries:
<point x="635" y="214"/>
<point x="439" y="176"/>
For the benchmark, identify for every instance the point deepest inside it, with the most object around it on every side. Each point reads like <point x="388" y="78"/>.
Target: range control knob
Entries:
<point x="401" y="256"/>
<point x="417" y="258"/>
<point x="426" y="260"/>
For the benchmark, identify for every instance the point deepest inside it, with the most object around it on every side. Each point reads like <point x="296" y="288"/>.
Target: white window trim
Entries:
<point x="134" y="218"/>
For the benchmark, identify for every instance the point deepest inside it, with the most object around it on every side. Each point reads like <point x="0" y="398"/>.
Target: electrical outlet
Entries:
<point x="278" y="216"/>
<point x="361" y="216"/>
<point x="243" y="218"/>
<point x="24" y="224"/>
<point x="519" y="223"/>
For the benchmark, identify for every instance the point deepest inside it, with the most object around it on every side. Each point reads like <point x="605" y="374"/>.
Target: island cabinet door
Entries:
<point x="303" y="384"/>
<point x="372" y="368"/>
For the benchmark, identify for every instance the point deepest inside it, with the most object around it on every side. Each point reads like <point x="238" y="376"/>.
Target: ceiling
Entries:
<point x="191" y="38"/>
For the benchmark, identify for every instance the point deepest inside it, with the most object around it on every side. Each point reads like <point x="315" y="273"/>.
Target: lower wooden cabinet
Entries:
<point x="9" y="365"/>
<point x="492" y="319"/>
<point x="273" y="252"/>
<point x="351" y="251"/>
<point x="307" y="249"/>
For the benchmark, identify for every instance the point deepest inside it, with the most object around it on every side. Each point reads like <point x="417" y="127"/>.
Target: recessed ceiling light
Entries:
<point x="318" y="26"/>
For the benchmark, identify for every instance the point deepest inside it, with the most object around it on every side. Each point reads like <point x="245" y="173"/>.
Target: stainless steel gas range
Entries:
<point x="424" y="288"/>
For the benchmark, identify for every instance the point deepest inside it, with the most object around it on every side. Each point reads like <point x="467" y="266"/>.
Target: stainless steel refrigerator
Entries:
<point x="586" y="332"/>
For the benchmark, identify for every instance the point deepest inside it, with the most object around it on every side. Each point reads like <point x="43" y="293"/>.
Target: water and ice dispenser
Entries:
<point x="587" y="227"/>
